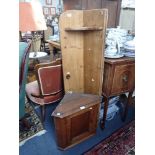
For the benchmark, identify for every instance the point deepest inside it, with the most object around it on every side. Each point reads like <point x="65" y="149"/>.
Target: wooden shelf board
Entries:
<point x="83" y="28"/>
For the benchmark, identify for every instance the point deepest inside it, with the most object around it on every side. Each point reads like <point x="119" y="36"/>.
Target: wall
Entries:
<point x="55" y="3"/>
<point x="127" y="15"/>
<point x="127" y="19"/>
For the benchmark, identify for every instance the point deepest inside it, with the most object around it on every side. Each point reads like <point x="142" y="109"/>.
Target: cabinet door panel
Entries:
<point x="124" y="79"/>
<point x="82" y="124"/>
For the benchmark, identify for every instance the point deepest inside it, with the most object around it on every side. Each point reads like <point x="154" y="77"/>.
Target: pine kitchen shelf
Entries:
<point x="82" y="35"/>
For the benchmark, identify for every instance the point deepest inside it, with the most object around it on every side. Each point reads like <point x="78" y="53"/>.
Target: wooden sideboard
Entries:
<point x="118" y="78"/>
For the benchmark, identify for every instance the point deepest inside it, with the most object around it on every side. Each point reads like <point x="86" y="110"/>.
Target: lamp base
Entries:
<point x="36" y="55"/>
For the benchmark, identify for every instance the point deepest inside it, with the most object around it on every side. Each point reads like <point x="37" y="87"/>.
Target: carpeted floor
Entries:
<point x="46" y="144"/>
<point x="121" y="142"/>
<point x="36" y="125"/>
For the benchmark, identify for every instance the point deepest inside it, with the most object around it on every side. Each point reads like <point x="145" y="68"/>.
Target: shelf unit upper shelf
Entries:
<point x="83" y="28"/>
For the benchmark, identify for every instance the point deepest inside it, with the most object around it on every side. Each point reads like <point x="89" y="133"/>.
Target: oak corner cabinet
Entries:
<point x="118" y="78"/>
<point x="76" y="118"/>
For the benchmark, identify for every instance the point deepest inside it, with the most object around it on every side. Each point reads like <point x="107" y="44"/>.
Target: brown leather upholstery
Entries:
<point x="32" y="90"/>
<point x="48" y="87"/>
<point x="50" y="84"/>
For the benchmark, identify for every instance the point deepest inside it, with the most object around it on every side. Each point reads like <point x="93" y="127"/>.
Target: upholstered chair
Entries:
<point x="23" y="69"/>
<point x="48" y="88"/>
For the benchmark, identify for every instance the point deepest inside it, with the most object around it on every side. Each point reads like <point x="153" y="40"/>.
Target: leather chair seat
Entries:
<point x="33" y="88"/>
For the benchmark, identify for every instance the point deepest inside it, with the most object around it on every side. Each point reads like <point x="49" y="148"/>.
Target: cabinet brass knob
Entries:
<point x="68" y="75"/>
<point x="125" y="78"/>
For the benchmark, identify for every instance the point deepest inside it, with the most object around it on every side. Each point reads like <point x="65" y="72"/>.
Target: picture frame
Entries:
<point x="48" y="2"/>
<point x="52" y="10"/>
<point x="46" y="10"/>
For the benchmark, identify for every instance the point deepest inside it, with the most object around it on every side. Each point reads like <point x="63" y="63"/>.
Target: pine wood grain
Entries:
<point x="82" y="36"/>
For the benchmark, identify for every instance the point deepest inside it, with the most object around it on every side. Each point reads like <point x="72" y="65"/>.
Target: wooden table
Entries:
<point x="118" y="78"/>
<point x="54" y="46"/>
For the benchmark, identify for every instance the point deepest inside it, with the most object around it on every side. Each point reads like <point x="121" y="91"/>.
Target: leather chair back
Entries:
<point x="50" y="78"/>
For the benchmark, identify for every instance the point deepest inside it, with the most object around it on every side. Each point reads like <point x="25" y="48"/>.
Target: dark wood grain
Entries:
<point x="102" y="122"/>
<point x="71" y="104"/>
<point x="118" y="78"/>
<point x="123" y="60"/>
<point x="113" y="7"/>
<point x="126" y="106"/>
<point x="73" y="124"/>
<point x="72" y="5"/>
<point x="91" y="4"/>
<point x="114" y="72"/>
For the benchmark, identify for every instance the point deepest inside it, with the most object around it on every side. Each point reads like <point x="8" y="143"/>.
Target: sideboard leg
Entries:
<point x="126" y="106"/>
<point x="102" y="122"/>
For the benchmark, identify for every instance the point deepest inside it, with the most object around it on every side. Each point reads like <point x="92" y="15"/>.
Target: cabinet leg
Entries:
<point x="102" y="122"/>
<point x="126" y="106"/>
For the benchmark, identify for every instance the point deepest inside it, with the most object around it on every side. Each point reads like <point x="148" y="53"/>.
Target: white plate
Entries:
<point x="129" y="55"/>
<point x="114" y="56"/>
<point x="130" y="43"/>
<point x="129" y="47"/>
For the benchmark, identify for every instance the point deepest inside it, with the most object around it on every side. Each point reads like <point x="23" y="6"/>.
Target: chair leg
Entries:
<point x="43" y="113"/>
<point x="25" y="124"/>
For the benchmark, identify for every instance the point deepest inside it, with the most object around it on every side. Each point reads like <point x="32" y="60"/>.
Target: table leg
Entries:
<point x="51" y="52"/>
<point x="55" y="52"/>
<point x="102" y="122"/>
<point x="126" y="106"/>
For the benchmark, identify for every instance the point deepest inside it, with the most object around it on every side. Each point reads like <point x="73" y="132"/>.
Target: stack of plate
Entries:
<point x="129" y="48"/>
<point x="112" y="108"/>
<point x="107" y="55"/>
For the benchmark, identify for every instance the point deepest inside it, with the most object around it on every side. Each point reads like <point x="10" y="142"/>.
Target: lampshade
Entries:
<point x="31" y="16"/>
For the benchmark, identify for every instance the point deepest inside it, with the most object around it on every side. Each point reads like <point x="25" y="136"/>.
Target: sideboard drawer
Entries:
<point x="124" y="78"/>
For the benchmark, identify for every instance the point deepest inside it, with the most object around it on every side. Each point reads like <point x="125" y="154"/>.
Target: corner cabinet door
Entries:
<point x="82" y="124"/>
<point x="124" y="79"/>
